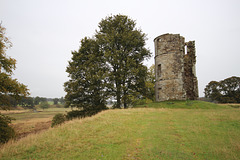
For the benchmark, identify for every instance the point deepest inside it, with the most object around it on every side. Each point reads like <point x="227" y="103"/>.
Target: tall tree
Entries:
<point x="8" y="85"/>
<point x="123" y="46"/>
<point x="87" y="87"/>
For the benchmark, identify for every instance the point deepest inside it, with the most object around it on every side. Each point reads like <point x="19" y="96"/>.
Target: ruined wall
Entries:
<point x="190" y="79"/>
<point x="173" y="69"/>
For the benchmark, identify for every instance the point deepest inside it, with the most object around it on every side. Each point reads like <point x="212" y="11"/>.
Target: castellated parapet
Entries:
<point x="175" y="71"/>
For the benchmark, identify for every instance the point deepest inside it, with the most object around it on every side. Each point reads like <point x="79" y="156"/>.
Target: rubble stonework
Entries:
<point x="174" y="70"/>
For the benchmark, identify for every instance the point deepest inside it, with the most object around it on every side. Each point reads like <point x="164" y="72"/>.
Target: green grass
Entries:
<point x="139" y="133"/>
<point x="46" y="113"/>
<point x="184" y="105"/>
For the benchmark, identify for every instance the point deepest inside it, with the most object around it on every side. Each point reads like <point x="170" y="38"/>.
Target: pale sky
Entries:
<point x="44" y="32"/>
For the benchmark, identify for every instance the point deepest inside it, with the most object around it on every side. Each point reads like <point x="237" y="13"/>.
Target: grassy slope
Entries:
<point x="183" y="105"/>
<point x="143" y="133"/>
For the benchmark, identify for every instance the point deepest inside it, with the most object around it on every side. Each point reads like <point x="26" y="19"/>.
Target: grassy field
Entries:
<point x="28" y="121"/>
<point x="29" y="115"/>
<point x="159" y="132"/>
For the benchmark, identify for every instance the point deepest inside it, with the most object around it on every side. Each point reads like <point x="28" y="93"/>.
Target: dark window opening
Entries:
<point x="159" y="70"/>
<point x="159" y="90"/>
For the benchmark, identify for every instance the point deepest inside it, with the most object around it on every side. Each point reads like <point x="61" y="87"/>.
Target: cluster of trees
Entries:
<point x="37" y="100"/>
<point x="31" y="101"/>
<point x="57" y="100"/>
<point x="225" y="91"/>
<point x="110" y="66"/>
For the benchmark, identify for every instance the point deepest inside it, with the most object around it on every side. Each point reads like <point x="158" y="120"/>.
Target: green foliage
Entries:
<point x="87" y="87"/>
<point x="124" y="49"/>
<point x="58" y="119"/>
<point x="55" y="100"/>
<point x="8" y="85"/>
<point x="108" y="65"/>
<point x="37" y="100"/>
<point x="150" y="83"/>
<point x="75" y="114"/>
<point x="225" y="91"/>
<point x="6" y="131"/>
<point x="81" y="113"/>
<point x="26" y="102"/>
<point x="61" y="100"/>
<point x="44" y="105"/>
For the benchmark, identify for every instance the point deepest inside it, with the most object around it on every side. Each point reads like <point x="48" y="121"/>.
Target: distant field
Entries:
<point x="139" y="133"/>
<point x="28" y="121"/>
<point x="46" y="113"/>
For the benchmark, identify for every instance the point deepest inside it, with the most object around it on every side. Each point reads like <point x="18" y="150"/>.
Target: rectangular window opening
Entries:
<point x="159" y="70"/>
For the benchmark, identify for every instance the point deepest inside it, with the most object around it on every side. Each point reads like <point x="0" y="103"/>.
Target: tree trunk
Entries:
<point x="118" y="94"/>
<point x="124" y="96"/>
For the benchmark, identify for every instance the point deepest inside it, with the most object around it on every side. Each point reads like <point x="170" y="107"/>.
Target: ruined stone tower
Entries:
<point x="175" y="68"/>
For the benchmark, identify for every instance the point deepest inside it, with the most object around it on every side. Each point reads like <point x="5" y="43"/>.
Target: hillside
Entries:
<point x="139" y="133"/>
<point x="183" y="105"/>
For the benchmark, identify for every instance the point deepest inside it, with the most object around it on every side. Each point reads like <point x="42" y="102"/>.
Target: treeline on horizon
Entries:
<point x="30" y="102"/>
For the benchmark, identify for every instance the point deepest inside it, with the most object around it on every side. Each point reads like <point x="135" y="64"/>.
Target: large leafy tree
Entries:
<point x="108" y="65"/>
<point x="123" y="46"/>
<point x="225" y="91"/>
<point x="88" y="84"/>
<point x="8" y="86"/>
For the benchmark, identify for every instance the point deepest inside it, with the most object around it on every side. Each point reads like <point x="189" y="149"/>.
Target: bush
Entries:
<point x="6" y="131"/>
<point x="75" y="114"/>
<point x="58" y="119"/>
<point x="82" y="113"/>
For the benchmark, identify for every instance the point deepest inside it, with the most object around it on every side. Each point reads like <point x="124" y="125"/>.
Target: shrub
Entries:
<point x="82" y="113"/>
<point x="6" y="131"/>
<point x="58" y="119"/>
<point x="75" y="114"/>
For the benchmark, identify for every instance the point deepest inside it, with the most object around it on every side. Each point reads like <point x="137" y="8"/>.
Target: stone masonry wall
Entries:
<point x="173" y="69"/>
<point x="190" y="79"/>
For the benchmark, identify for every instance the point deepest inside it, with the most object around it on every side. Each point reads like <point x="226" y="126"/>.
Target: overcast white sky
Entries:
<point x="44" y="32"/>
